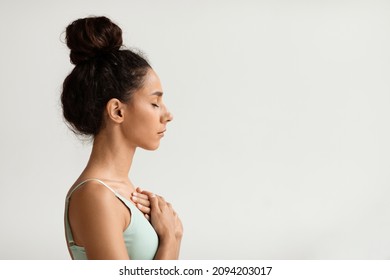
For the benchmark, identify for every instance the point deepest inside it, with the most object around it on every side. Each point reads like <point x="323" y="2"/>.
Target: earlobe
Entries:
<point x="114" y="110"/>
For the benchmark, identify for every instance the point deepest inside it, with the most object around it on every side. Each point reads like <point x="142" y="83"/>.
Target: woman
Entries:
<point x="114" y="96"/>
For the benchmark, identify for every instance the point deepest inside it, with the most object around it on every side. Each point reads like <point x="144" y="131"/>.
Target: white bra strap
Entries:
<point x="87" y="180"/>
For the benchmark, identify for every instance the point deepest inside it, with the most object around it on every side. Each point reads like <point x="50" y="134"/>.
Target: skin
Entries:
<point x="142" y="201"/>
<point x="97" y="218"/>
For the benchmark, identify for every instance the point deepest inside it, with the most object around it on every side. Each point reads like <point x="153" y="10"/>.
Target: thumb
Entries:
<point x="153" y="200"/>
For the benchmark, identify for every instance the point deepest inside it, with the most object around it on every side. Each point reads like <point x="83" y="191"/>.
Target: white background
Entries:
<point x="280" y="144"/>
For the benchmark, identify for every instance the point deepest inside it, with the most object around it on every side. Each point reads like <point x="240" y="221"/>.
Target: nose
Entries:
<point x="167" y="115"/>
<point x="170" y="117"/>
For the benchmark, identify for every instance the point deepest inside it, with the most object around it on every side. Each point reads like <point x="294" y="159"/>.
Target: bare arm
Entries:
<point x="95" y="223"/>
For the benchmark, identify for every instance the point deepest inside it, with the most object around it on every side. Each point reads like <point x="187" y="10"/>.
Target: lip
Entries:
<point x="161" y="132"/>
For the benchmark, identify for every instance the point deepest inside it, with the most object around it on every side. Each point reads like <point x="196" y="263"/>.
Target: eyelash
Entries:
<point x="155" y="105"/>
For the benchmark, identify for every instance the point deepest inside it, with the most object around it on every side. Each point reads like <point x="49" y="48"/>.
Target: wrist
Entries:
<point x="168" y="249"/>
<point x="168" y="240"/>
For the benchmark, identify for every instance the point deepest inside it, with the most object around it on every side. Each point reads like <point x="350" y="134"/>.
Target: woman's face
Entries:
<point x="146" y="115"/>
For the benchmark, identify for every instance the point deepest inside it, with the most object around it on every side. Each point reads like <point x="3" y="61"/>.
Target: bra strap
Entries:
<point x="87" y="180"/>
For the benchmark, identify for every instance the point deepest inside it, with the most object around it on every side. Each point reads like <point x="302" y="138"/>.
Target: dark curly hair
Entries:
<point x="103" y="70"/>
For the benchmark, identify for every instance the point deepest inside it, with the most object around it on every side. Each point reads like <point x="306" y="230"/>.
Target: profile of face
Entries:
<point x="145" y="115"/>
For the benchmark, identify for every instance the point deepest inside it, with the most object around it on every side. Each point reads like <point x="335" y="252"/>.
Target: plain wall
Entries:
<point x="280" y="144"/>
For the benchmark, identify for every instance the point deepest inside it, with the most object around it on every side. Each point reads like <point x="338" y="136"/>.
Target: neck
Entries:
<point x="110" y="158"/>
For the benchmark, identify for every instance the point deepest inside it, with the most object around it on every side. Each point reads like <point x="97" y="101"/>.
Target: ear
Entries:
<point x="115" y="110"/>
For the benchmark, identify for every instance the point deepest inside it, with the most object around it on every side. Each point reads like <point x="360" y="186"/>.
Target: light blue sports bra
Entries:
<point x="140" y="237"/>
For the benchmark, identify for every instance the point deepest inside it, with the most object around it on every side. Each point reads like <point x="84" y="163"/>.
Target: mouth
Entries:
<point x="162" y="132"/>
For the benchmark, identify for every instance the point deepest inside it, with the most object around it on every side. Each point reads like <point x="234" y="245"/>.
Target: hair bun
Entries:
<point x="92" y="36"/>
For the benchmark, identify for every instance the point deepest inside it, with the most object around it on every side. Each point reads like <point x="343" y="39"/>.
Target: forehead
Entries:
<point x="151" y="83"/>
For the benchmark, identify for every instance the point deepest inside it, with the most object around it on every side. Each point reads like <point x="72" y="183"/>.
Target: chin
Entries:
<point x="151" y="147"/>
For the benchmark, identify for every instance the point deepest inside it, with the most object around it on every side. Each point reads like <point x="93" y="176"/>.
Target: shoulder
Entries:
<point x="91" y="191"/>
<point x="93" y="200"/>
<point x="97" y="220"/>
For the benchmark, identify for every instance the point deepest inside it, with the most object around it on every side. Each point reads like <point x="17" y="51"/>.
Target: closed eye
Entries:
<point x="155" y="105"/>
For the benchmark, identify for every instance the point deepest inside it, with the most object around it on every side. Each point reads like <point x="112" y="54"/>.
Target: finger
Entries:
<point x="140" y="195"/>
<point x="145" y="210"/>
<point x="161" y="202"/>
<point x="144" y="202"/>
<point x="148" y="193"/>
<point x="140" y="192"/>
<point x="147" y="217"/>
<point x="154" y="201"/>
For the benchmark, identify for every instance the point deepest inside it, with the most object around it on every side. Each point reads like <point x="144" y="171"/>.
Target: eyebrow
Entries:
<point x="158" y="93"/>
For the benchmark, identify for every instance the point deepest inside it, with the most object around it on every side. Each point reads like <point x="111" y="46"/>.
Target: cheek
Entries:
<point x="144" y="120"/>
<point x="148" y="119"/>
<point x="143" y="128"/>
